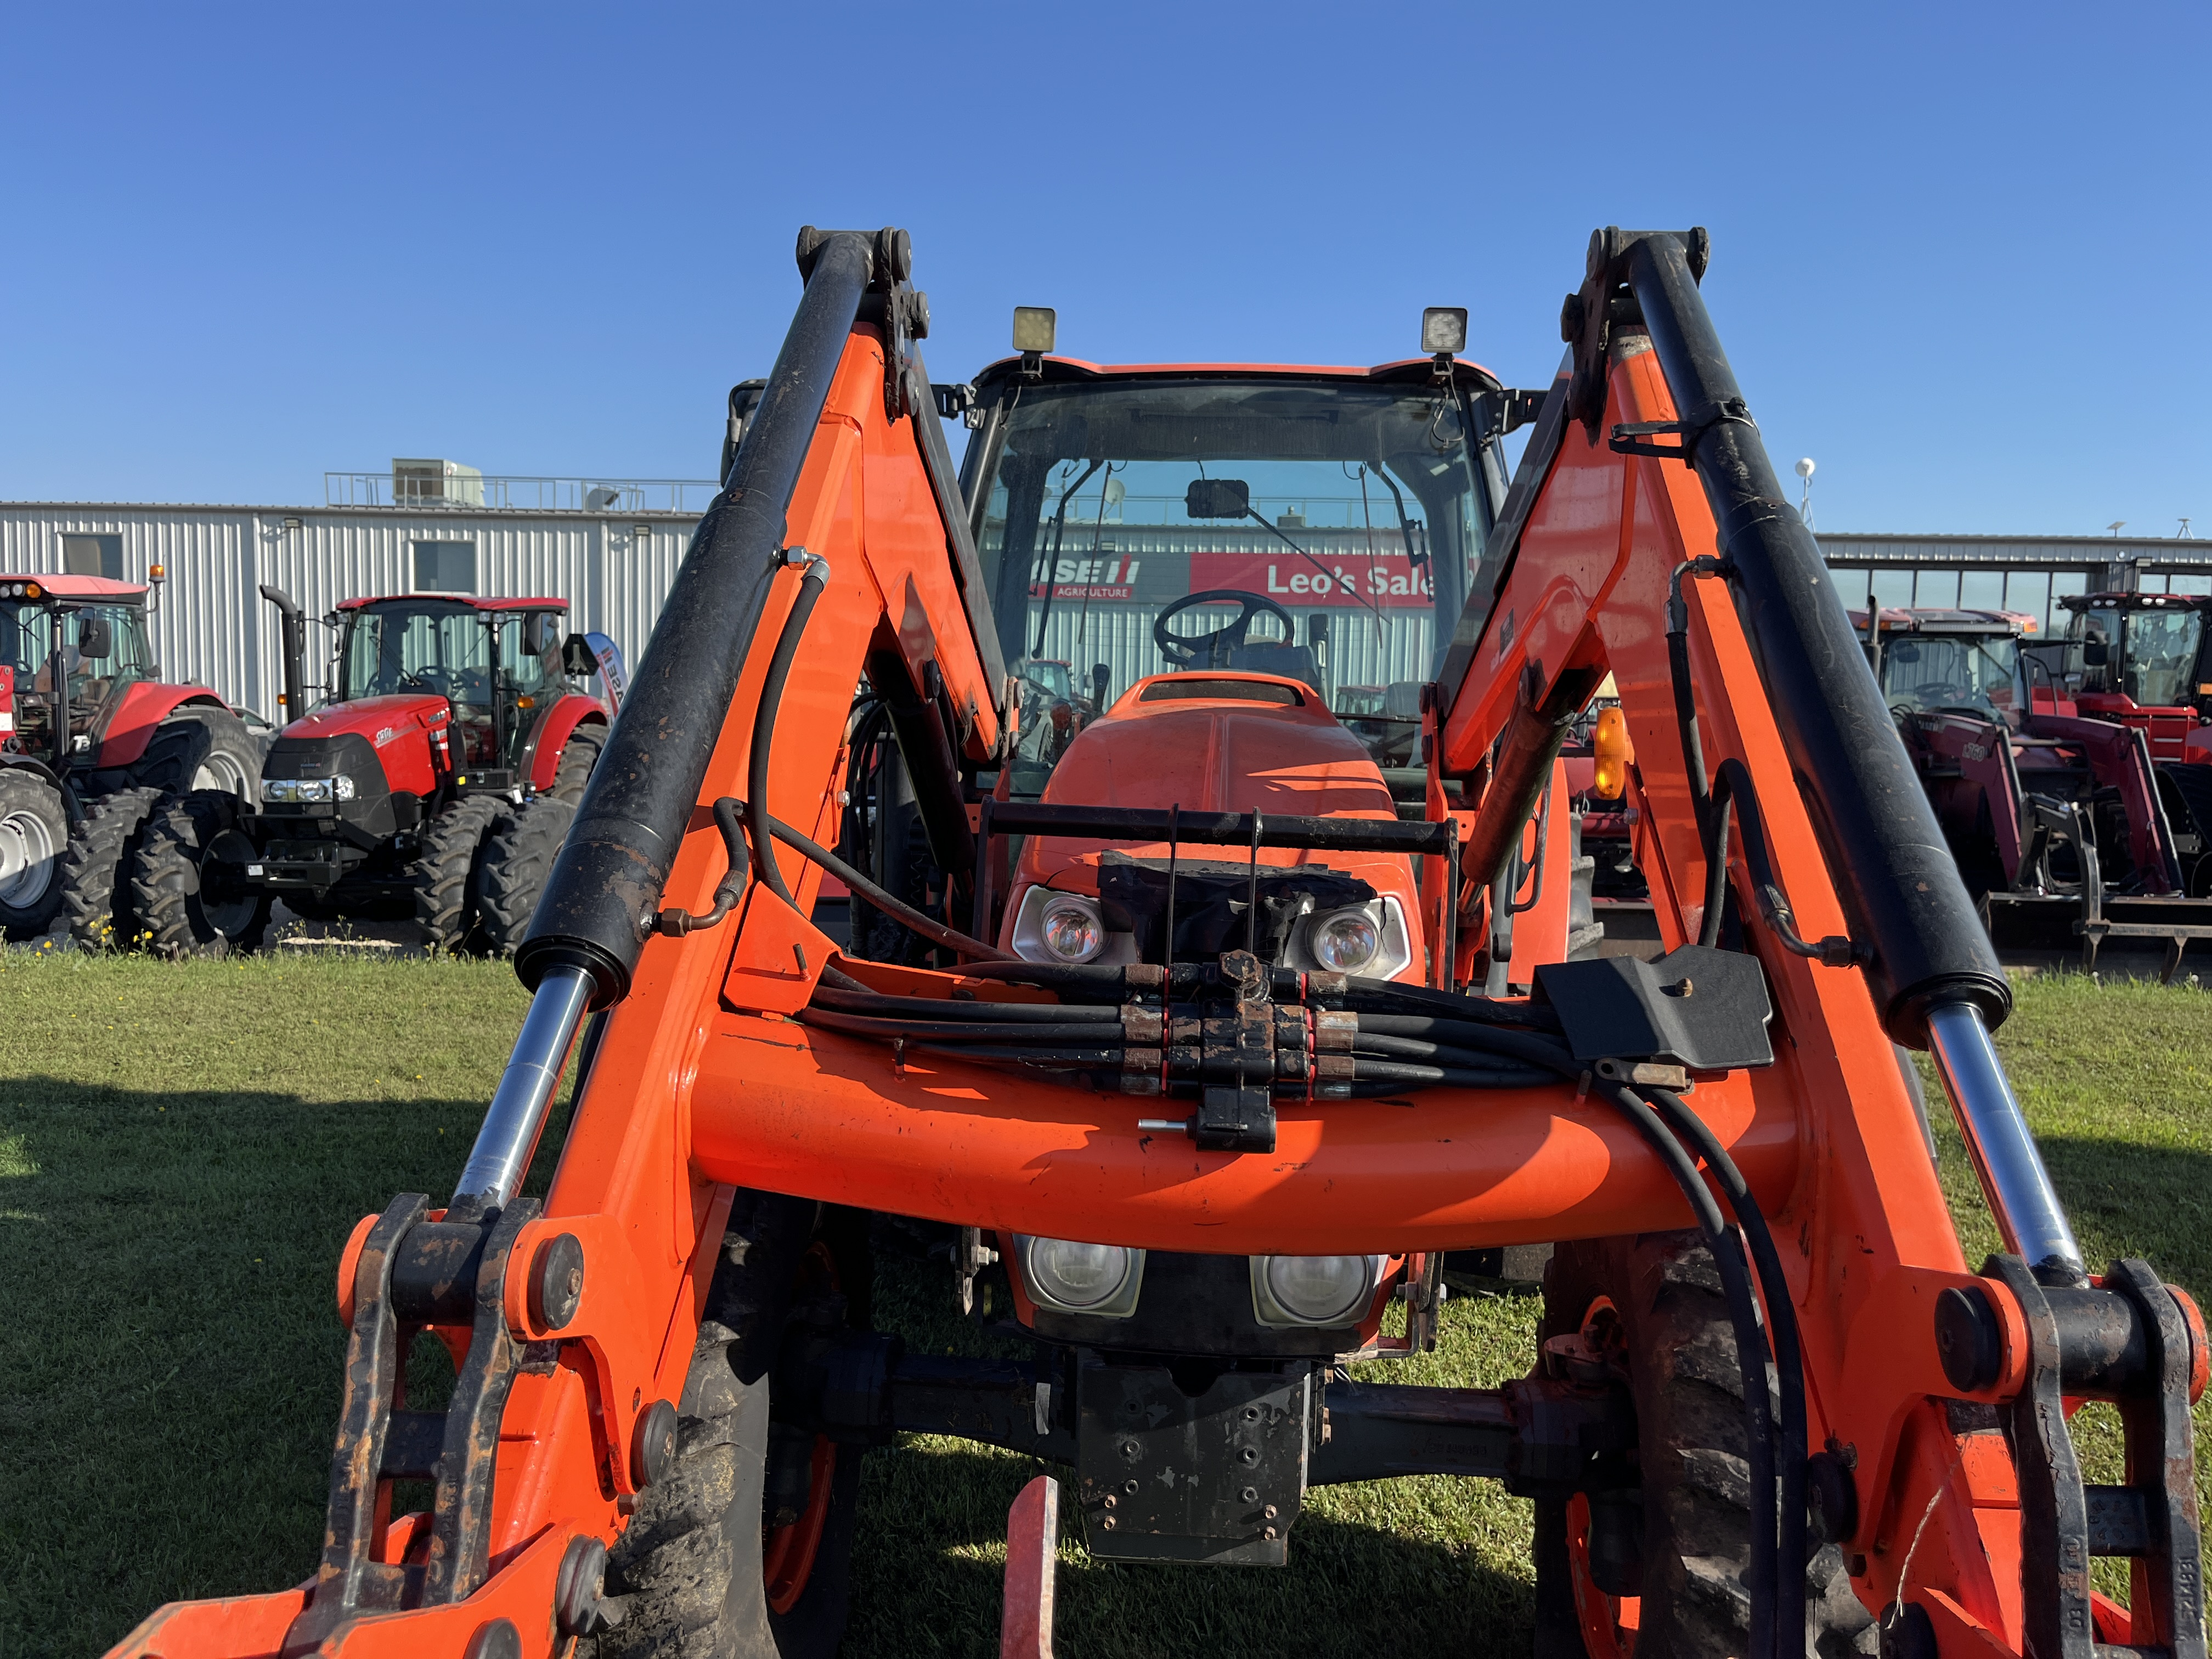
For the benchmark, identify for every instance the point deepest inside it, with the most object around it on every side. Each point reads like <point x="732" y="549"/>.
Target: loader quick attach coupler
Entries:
<point x="2129" y="1339"/>
<point x="416" y="1270"/>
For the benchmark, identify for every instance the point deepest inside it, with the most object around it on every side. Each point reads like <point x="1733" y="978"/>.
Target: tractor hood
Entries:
<point x="382" y="720"/>
<point x="402" y="738"/>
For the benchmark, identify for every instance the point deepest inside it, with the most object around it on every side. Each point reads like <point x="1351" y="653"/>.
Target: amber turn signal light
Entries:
<point x="1615" y="753"/>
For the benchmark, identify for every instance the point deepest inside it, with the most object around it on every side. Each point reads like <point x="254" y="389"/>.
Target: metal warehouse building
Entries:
<point x="613" y="560"/>
<point x="611" y="548"/>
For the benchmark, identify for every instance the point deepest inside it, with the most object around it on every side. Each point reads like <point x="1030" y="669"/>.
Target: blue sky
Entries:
<point x="1955" y="248"/>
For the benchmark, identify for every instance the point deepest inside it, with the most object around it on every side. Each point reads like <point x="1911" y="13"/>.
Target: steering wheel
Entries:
<point x="1942" y="693"/>
<point x="1183" y="649"/>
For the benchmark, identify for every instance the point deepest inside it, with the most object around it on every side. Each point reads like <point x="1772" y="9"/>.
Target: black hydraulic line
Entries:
<point x="1750" y="1346"/>
<point x="1896" y="877"/>
<point x="1433" y="1053"/>
<point x="675" y="922"/>
<point x="1094" y="1033"/>
<point x="1408" y="1075"/>
<point x="1733" y="786"/>
<point x="810" y="584"/>
<point x="1389" y="996"/>
<point x="834" y="978"/>
<point x="1067" y="1059"/>
<point x="1781" y="1325"/>
<point x="1083" y="982"/>
<point x="845" y="1000"/>
<point x="605" y="889"/>
<point x="936" y="932"/>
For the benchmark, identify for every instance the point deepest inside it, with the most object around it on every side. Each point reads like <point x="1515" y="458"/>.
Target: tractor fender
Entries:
<point x="2196" y="747"/>
<point x="31" y="764"/>
<point x="142" y="708"/>
<point x="541" y="750"/>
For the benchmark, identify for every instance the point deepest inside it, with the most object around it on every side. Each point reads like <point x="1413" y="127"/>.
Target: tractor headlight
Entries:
<point x="1101" y="1280"/>
<point x="1068" y="929"/>
<point x="1369" y="940"/>
<point x="1345" y="941"/>
<point x="1313" y="1290"/>
<point x="294" y="790"/>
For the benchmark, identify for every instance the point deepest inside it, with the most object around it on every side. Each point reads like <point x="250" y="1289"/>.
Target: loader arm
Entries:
<point x="676" y="936"/>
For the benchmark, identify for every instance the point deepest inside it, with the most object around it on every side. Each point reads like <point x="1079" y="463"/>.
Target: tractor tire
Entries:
<point x="201" y="749"/>
<point x="515" y="867"/>
<point x="188" y="883"/>
<point x="34" y="833"/>
<point x="447" y="874"/>
<point x="1668" y="1330"/>
<point x="103" y="914"/>
<point x="706" y="1570"/>
<point x="577" y="757"/>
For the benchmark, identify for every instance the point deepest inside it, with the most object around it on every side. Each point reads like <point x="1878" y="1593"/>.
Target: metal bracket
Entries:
<point x="954" y="401"/>
<point x="1627" y="437"/>
<point x="974" y="1255"/>
<point x="1509" y="410"/>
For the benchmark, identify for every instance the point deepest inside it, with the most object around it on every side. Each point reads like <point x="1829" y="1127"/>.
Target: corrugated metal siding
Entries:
<point x="211" y="627"/>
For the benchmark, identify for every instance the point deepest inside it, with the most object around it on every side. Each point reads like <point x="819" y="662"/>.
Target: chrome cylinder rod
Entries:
<point x="2029" y="1216"/>
<point x="501" y="1157"/>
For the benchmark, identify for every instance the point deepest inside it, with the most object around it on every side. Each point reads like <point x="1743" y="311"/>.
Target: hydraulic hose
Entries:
<point x="936" y="932"/>
<point x="675" y="922"/>
<point x="1781" y="1325"/>
<point x="811" y="585"/>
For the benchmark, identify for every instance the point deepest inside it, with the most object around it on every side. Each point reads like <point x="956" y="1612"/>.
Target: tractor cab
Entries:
<point x="496" y="665"/>
<point x="1958" y="662"/>
<point x="83" y="636"/>
<point x="1320" y="526"/>
<point x="1271" y="560"/>
<point x="2143" y="659"/>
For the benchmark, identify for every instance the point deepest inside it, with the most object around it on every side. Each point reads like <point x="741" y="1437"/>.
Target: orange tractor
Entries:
<point x="1228" y="1055"/>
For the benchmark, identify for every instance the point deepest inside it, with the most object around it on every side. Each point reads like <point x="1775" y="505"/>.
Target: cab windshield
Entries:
<point x="2159" y="669"/>
<point x="28" y="633"/>
<point x="1321" y="530"/>
<point x="1980" y="673"/>
<point x="463" y="654"/>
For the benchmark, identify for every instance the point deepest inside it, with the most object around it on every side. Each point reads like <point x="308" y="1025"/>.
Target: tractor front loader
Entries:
<point x="1228" y="1056"/>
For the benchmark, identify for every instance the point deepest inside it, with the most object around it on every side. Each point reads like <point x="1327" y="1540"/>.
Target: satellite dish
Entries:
<point x="1805" y="467"/>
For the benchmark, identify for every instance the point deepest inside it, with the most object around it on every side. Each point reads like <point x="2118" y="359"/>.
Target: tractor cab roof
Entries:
<point x="473" y="601"/>
<point x="1074" y="370"/>
<point x="1897" y="619"/>
<point x="2080" y="602"/>
<point x="71" y="587"/>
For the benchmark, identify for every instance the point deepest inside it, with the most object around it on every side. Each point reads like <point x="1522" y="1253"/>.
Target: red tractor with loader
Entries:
<point x="2144" y="661"/>
<point x="91" y="736"/>
<point x="2058" y="817"/>
<point x="1229" y="1056"/>
<point x="434" y="781"/>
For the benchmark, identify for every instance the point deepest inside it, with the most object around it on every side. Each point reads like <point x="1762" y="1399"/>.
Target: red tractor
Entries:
<point x="434" y="781"/>
<point x="2144" y="661"/>
<point x="90" y="738"/>
<point x="2058" y="817"/>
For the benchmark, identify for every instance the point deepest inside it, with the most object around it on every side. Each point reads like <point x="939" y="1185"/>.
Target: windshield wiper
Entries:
<point x="1328" y="575"/>
<point x="1050" y="558"/>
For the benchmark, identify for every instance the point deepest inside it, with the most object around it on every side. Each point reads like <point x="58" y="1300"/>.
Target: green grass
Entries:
<point x="182" y="1151"/>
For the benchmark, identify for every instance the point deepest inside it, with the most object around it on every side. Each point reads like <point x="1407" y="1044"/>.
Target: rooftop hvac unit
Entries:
<point x="443" y="484"/>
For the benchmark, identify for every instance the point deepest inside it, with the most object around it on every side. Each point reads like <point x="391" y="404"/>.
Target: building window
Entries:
<point x="445" y="566"/>
<point x="93" y="555"/>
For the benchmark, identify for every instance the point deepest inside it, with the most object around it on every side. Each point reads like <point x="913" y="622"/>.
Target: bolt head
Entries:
<point x="1130" y="1449"/>
<point x="1108" y="1523"/>
<point x="1269" y="1511"/>
<point x="1251" y="1495"/>
<point x="1111" y="1500"/>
